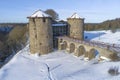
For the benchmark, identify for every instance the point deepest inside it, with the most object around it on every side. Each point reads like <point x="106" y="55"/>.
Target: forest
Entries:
<point x="106" y="25"/>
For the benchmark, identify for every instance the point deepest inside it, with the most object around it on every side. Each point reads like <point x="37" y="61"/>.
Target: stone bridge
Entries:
<point x="87" y="48"/>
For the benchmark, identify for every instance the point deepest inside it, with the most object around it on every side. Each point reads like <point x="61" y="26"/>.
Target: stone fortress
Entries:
<point x="42" y="41"/>
<point x="40" y="31"/>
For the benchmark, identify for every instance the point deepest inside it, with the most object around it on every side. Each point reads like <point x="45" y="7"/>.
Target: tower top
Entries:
<point x="75" y="16"/>
<point x="38" y="14"/>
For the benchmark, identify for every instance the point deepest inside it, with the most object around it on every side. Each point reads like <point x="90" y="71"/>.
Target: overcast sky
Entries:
<point x="93" y="11"/>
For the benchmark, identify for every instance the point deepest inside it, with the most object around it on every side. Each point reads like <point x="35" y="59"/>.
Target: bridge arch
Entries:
<point x="91" y="49"/>
<point x="64" y="45"/>
<point x="72" y="47"/>
<point x="80" y="51"/>
<point x="93" y="53"/>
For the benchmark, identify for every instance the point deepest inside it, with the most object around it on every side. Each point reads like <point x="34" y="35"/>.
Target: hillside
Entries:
<point x="13" y="34"/>
<point x="12" y="41"/>
<point x="60" y="65"/>
<point x="106" y="25"/>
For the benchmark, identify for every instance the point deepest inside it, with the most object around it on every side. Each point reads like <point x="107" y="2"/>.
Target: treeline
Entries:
<point x="13" y="23"/>
<point x="106" y="25"/>
<point x="12" y="42"/>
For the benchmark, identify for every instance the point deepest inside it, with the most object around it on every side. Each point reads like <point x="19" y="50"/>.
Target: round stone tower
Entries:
<point x="40" y="32"/>
<point x="76" y="27"/>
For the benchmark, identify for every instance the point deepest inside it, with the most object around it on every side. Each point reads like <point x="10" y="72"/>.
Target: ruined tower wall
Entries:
<point x="76" y="26"/>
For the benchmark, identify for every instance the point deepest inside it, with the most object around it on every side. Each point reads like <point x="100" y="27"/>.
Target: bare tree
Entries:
<point x="52" y="13"/>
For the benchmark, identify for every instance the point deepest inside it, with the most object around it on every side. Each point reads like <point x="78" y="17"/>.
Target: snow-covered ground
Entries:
<point x="60" y="65"/>
<point x="104" y="36"/>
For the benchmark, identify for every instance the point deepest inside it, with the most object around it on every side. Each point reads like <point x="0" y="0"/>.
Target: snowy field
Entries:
<point x="60" y="65"/>
<point x="104" y="36"/>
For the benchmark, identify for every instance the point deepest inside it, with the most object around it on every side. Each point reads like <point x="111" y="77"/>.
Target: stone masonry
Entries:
<point x="41" y="34"/>
<point x="76" y="25"/>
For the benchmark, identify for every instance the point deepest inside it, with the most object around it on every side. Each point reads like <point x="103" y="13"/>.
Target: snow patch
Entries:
<point x="104" y="58"/>
<point x="75" y="15"/>
<point x="40" y="13"/>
